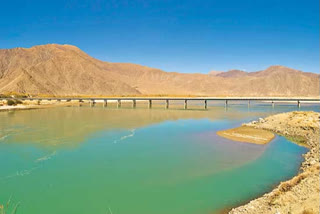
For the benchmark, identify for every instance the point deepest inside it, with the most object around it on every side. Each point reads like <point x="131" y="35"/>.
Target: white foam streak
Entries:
<point x="132" y="133"/>
<point x="3" y="137"/>
<point x="29" y="171"/>
<point x="47" y="157"/>
<point x="21" y="173"/>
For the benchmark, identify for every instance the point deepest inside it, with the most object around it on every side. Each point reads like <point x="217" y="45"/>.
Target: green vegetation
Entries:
<point x="13" y="102"/>
<point x="9" y="207"/>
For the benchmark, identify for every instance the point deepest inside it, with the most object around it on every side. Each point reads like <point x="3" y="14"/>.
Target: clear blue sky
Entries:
<point x="185" y="36"/>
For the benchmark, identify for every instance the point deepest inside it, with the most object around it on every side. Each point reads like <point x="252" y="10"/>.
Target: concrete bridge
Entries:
<point x="167" y="100"/>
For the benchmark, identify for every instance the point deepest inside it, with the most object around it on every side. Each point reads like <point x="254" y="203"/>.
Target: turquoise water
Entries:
<point x="136" y="161"/>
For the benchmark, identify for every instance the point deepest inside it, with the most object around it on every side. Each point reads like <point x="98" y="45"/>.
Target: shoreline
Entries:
<point x="300" y="194"/>
<point x="18" y="107"/>
<point x="32" y="105"/>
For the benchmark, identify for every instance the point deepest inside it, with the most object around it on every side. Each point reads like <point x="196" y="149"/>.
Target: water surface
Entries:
<point x="137" y="161"/>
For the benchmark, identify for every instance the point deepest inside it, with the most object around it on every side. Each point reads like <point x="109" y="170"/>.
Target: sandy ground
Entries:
<point x="33" y="105"/>
<point x="20" y="107"/>
<point x="247" y="134"/>
<point x="300" y="195"/>
<point x="4" y="108"/>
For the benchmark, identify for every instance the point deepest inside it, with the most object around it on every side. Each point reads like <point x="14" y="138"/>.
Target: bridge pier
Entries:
<point x="92" y="103"/>
<point x="80" y="102"/>
<point x="134" y="103"/>
<point x="167" y="104"/>
<point x="119" y="103"/>
<point x="150" y="104"/>
<point x="272" y="104"/>
<point x="105" y="103"/>
<point x="299" y="104"/>
<point x="205" y="104"/>
<point x="248" y="103"/>
<point x="226" y="104"/>
<point x="185" y="104"/>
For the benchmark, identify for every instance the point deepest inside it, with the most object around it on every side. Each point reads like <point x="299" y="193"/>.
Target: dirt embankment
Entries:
<point x="26" y="105"/>
<point x="300" y="195"/>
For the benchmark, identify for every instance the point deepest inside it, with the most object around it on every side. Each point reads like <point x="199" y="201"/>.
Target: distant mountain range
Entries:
<point x="66" y="70"/>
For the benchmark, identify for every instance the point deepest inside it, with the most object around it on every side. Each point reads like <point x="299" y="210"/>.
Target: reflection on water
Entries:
<point x="96" y="160"/>
<point x="74" y="124"/>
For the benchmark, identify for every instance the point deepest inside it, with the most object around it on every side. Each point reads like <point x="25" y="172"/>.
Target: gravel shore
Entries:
<point x="299" y="195"/>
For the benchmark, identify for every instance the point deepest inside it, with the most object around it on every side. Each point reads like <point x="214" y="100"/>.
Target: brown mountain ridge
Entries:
<point x="65" y="70"/>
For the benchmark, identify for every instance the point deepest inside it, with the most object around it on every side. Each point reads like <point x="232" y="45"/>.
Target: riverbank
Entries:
<point x="20" y="107"/>
<point x="28" y="105"/>
<point x="299" y="195"/>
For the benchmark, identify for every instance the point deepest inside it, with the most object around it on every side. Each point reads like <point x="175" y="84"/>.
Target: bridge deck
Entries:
<point x="105" y="100"/>
<point x="174" y="98"/>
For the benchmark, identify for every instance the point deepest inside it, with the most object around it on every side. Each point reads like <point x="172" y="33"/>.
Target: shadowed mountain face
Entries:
<point x="233" y="74"/>
<point x="66" y="70"/>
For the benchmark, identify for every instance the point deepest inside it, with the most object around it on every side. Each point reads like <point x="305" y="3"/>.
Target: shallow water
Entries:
<point x="137" y="161"/>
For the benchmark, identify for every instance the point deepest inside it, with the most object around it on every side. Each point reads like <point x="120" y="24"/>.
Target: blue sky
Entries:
<point x="185" y="36"/>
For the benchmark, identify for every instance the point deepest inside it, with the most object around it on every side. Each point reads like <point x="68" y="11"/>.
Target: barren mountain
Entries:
<point x="215" y="73"/>
<point x="233" y="74"/>
<point x="66" y="70"/>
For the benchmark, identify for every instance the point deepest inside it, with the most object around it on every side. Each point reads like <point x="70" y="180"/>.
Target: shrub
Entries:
<point x="19" y="102"/>
<point x="11" y="103"/>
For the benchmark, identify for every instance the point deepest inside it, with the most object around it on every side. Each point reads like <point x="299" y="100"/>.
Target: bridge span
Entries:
<point x="118" y="100"/>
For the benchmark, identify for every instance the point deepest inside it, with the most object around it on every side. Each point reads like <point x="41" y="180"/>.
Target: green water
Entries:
<point x="136" y="161"/>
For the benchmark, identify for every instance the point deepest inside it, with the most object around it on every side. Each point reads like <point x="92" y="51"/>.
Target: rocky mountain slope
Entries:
<point x="66" y="70"/>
